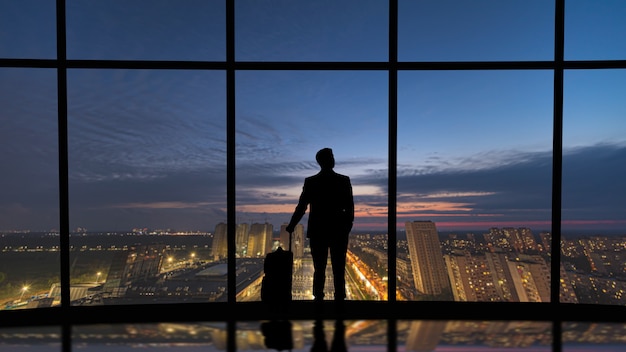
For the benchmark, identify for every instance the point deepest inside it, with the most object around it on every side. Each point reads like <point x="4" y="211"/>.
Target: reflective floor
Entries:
<point x="323" y="335"/>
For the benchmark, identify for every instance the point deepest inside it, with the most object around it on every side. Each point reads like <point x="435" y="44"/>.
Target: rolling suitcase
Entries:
<point x="276" y="283"/>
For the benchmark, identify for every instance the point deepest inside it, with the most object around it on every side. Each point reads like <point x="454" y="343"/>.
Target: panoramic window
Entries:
<point x="153" y="153"/>
<point x="170" y="136"/>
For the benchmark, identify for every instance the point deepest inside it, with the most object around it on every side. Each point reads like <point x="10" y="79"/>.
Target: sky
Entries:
<point x="147" y="148"/>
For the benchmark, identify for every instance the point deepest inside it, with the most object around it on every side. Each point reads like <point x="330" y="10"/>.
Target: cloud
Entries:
<point x="593" y="183"/>
<point x="507" y="188"/>
<point x="518" y="187"/>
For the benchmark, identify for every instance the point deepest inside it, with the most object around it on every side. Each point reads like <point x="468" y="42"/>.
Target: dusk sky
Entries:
<point x="147" y="148"/>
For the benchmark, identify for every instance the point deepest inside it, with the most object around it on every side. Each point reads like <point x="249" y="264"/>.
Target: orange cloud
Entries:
<point x="267" y="208"/>
<point x="434" y="206"/>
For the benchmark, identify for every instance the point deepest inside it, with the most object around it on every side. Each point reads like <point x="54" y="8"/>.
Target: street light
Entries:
<point x="98" y="276"/>
<point x="24" y="289"/>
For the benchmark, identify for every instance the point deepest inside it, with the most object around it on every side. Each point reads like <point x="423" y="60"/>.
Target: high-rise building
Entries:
<point x="406" y="287"/>
<point x="220" y="242"/>
<point x="546" y="241"/>
<point x="259" y="240"/>
<point x="566" y="292"/>
<point x="472" y="278"/>
<point x="530" y="278"/>
<point x="502" y="277"/>
<point x="429" y="269"/>
<point x="241" y="240"/>
<point x="530" y="243"/>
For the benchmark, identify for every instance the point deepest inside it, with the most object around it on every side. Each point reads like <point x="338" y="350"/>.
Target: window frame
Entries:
<point x="554" y="311"/>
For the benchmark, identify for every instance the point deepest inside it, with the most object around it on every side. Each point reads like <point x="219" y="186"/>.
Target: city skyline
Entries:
<point x="147" y="148"/>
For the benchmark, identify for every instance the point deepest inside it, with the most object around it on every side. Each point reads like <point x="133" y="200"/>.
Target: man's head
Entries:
<point x="325" y="158"/>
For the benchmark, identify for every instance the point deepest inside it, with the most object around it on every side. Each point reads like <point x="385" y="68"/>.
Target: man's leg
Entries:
<point x="319" y="252"/>
<point x="338" y="250"/>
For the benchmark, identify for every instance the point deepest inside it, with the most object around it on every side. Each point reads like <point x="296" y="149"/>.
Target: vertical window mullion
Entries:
<point x="557" y="160"/>
<point x="230" y="149"/>
<point x="63" y="172"/>
<point x="392" y="335"/>
<point x="393" y="145"/>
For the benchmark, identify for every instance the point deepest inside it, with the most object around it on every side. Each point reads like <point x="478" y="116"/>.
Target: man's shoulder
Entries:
<point x="327" y="175"/>
<point x="325" y="178"/>
<point x="344" y="178"/>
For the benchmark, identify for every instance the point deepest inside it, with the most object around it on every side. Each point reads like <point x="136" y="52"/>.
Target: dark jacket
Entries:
<point x="329" y="196"/>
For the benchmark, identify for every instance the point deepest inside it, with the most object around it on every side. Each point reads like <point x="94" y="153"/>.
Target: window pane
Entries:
<point x="595" y="30"/>
<point x="28" y="29"/>
<point x="286" y="30"/>
<point x="29" y="206"/>
<point x="147" y="156"/>
<point x="283" y="119"/>
<point x="594" y="156"/>
<point x="474" y="185"/>
<point x="146" y="30"/>
<point x="483" y="30"/>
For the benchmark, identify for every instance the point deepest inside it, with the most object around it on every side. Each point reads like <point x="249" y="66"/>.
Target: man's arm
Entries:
<point x="350" y="202"/>
<point x="300" y="210"/>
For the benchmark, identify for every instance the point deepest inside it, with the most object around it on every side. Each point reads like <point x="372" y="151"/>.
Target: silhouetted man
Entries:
<point x="331" y="214"/>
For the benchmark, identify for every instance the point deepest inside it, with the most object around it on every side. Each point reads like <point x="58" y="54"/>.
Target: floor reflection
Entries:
<point x="510" y="335"/>
<point x="324" y="336"/>
<point x="313" y="336"/>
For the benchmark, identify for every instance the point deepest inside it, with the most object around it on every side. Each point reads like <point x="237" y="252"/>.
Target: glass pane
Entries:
<point x="31" y="339"/>
<point x="28" y="29"/>
<point x="305" y="335"/>
<point x="466" y="335"/>
<point x="192" y="337"/>
<point x="595" y="30"/>
<point x="147" y="166"/>
<point x="479" y="30"/>
<point x="29" y="206"/>
<point x="474" y="185"/>
<point x="286" y="30"/>
<point x="594" y="155"/>
<point x="596" y="336"/>
<point x="283" y="119"/>
<point x="146" y="30"/>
